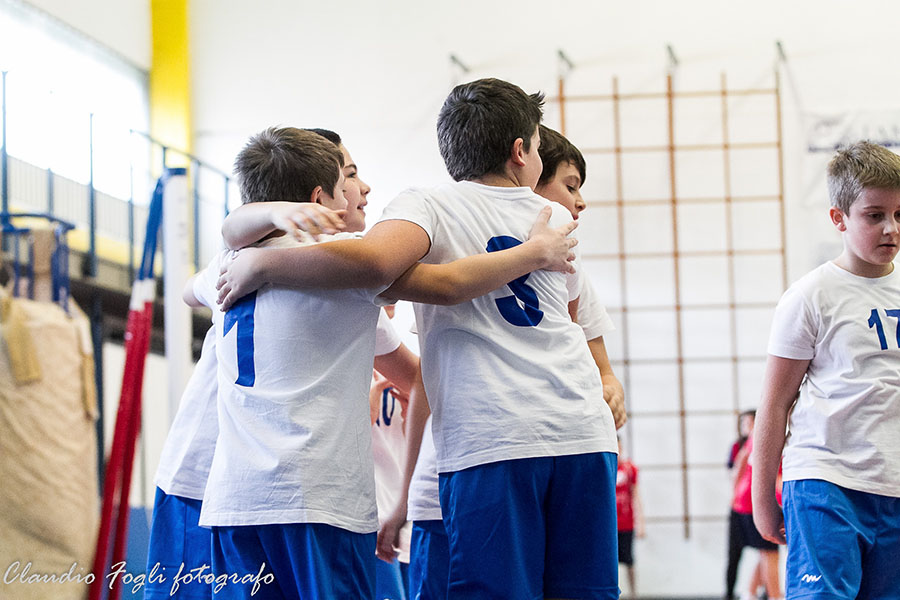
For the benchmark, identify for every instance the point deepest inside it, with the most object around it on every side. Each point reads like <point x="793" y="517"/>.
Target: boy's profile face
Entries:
<point x="564" y="188"/>
<point x="871" y="232"/>
<point x="335" y="198"/>
<point x="355" y="192"/>
<point x="531" y="171"/>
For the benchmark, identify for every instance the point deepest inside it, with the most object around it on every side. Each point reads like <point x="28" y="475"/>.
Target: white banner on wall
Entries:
<point x="825" y="133"/>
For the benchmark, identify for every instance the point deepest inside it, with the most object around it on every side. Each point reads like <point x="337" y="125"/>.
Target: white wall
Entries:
<point x="121" y="26"/>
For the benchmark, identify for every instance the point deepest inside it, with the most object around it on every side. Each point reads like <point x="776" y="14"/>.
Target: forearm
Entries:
<point x="638" y="509"/>
<point x="333" y="265"/>
<point x="400" y="367"/>
<point x="465" y="278"/>
<point x="613" y="393"/>
<point x="601" y="357"/>
<point x="248" y="224"/>
<point x="418" y="414"/>
<point x="768" y="443"/>
<point x="782" y="380"/>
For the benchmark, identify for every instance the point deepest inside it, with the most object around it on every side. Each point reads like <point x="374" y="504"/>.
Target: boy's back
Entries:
<point x="291" y="419"/>
<point x="515" y="361"/>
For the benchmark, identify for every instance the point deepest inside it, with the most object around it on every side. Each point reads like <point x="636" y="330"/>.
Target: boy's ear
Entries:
<point x="316" y="195"/>
<point x="517" y="152"/>
<point x="837" y="217"/>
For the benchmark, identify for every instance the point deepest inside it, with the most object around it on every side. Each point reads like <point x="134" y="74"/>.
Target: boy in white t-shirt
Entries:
<point x="836" y="337"/>
<point x="564" y="172"/>
<point x="178" y="545"/>
<point x="290" y="469"/>
<point x="526" y="453"/>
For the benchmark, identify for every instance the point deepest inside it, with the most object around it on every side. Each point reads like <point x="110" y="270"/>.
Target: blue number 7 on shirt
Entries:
<point x="241" y="314"/>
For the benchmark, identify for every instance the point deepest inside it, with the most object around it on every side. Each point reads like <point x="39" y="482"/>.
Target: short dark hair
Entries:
<point x="479" y="122"/>
<point x="555" y="150"/>
<point x="328" y="135"/>
<point x="286" y="163"/>
<point x="859" y="166"/>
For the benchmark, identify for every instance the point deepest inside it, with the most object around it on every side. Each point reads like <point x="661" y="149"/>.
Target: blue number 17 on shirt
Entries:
<point x="875" y="321"/>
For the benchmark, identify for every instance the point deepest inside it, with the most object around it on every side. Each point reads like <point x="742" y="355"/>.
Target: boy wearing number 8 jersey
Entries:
<point x="291" y="482"/>
<point x="836" y="337"/>
<point x="527" y="454"/>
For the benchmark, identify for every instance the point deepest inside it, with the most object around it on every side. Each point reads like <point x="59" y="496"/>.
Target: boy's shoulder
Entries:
<point x="830" y="277"/>
<point x="287" y="241"/>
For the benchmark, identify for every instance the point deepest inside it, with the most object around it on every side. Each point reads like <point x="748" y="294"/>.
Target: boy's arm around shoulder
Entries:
<point x="782" y="380"/>
<point x="473" y="276"/>
<point x="376" y="260"/>
<point x="249" y="223"/>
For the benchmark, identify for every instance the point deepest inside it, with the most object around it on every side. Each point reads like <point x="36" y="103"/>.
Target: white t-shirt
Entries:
<point x="592" y="315"/>
<point x="424" y="496"/>
<point x="188" y="451"/>
<point x="504" y="381"/>
<point x="389" y="451"/>
<point x="294" y="441"/>
<point x="845" y="427"/>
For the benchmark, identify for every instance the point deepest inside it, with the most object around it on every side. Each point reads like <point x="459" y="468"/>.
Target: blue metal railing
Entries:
<point x="59" y="260"/>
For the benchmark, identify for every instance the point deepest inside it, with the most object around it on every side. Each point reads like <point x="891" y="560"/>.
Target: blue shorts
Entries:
<point x="429" y="561"/>
<point x="292" y="561"/>
<point x="389" y="580"/>
<point x="841" y="543"/>
<point x="177" y="545"/>
<point x="533" y="528"/>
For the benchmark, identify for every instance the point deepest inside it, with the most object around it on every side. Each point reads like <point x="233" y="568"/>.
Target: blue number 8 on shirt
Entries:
<point x="528" y="313"/>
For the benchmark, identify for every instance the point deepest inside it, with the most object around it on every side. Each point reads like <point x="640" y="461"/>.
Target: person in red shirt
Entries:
<point x="744" y="532"/>
<point x="629" y="514"/>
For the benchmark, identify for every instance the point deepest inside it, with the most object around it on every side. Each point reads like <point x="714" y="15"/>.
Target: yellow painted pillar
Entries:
<point x="170" y="90"/>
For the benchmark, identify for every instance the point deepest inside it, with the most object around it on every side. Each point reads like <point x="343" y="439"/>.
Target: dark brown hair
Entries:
<point x="286" y="163"/>
<point x="479" y="122"/>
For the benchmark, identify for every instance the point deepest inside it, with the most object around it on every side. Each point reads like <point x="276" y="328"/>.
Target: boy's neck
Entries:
<point x="862" y="269"/>
<point x="506" y="179"/>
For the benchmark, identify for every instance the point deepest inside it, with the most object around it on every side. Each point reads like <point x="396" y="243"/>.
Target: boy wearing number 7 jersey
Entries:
<point x="526" y="453"/>
<point x="291" y="481"/>
<point x="836" y="337"/>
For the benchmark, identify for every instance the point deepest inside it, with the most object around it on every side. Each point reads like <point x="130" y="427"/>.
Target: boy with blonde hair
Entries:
<point x="836" y="337"/>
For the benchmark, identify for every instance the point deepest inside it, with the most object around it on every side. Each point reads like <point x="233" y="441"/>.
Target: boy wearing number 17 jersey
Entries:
<point x="836" y="331"/>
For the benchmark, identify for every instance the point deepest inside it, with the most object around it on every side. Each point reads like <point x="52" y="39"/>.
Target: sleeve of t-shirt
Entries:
<point x="412" y="205"/>
<point x="386" y="337"/>
<point x="592" y="315"/>
<point x="205" y="281"/>
<point x="794" y="327"/>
